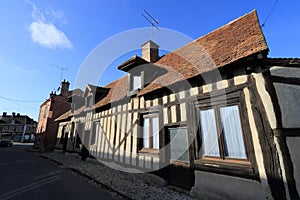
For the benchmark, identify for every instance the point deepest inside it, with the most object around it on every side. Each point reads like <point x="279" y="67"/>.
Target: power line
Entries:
<point x="24" y="106"/>
<point x="22" y="101"/>
<point x="269" y="13"/>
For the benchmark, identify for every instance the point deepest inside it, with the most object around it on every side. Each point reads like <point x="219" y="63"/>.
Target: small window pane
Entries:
<point x="155" y="133"/>
<point x="146" y="133"/>
<point x="95" y="133"/>
<point x="233" y="135"/>
<point x="179" y="144"/>
<point x="137" y="82"/>
<point x="210" y="145"/>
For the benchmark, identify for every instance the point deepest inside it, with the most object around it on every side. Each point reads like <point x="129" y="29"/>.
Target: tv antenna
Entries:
<point x="153" y="22"/>
<point x="61" y="70"/>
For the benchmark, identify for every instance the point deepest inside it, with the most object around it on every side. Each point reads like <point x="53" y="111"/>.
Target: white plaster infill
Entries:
<point x="266" y="99"/>
<point x="289" y="99"/>
<point x="255" y="138"/>
<point x="293" y="145"/>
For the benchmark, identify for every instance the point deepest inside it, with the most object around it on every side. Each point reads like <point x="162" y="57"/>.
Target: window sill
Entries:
<point x="180" y="163"/>
<point x="240" y="168"/>
<point x="149" y="151"/>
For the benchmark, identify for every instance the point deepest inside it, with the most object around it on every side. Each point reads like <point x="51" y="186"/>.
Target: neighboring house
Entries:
<point x="216" y="116"/>
<point x="51" y="109"/>
<point x="16" y="127"/>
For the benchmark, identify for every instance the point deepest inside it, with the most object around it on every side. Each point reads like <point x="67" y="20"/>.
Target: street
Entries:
<point x="25" y="175"/>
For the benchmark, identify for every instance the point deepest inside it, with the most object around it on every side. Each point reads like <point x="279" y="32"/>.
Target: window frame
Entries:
<point x="150" y="149"/>
<point x="221" y="134"/>
<point x="134" y="80"/>
<point x="246" y="168"/>
<point x="96" y="132"/>
<point x="168" y="142"/>
<point x="89" y="101"/>
<point x="131" y="88"/>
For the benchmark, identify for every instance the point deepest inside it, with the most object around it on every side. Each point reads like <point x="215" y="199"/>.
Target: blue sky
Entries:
<point x="35" y="35"/>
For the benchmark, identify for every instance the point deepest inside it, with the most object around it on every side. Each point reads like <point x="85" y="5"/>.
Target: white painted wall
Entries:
<point x="289" y="101"/>
<point x="293" y="144"/>
<point x="288" y="72"/>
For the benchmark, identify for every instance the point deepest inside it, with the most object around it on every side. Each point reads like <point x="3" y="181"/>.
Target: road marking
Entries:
<point x="29" y="187"/>
<point x="48" y="174"/>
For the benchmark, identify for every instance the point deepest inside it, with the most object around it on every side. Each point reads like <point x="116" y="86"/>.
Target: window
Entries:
<point x="150" y="131"/>
<point x="89" y="101"/>
<point x="19" y="128"/>
<point x="179" y="144"/>
<point x="137" y="82"/>
<point x="221" y="133"/>
<point x="45" y="111"/>
<point x="95" y="132"/>
<point x="63" y="135"/>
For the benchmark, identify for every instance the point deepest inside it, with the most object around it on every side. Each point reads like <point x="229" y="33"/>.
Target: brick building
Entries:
<point x="16" y="127"/>
<point x="52" y="108"/>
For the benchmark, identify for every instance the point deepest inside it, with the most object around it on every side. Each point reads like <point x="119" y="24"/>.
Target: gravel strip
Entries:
<point x="128" y="185"/>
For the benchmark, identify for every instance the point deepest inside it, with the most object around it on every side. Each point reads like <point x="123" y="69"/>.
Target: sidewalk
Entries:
<point x="125" y="185"/>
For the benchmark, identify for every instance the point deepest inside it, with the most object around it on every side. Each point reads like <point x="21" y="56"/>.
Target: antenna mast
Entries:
<point x="61" y="72"/>
<point x="153" y="22"/>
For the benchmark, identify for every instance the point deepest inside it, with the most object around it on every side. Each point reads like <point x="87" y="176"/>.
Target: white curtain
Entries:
<point x="155" y="133"/>
<point x="233" y="135"/>
<point x="179" y="144"/>
<point x="210" y="146"/>
<point x="137" y="82"/>
<point x="146" y="133"/>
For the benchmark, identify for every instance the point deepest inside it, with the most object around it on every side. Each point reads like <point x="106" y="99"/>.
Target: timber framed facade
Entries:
<point x="228" y="130"/>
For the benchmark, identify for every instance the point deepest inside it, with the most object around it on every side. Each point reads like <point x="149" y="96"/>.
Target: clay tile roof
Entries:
<point x="238" y="39"/>
<point x="117" y="91"/>
<point x="64" y="116"/>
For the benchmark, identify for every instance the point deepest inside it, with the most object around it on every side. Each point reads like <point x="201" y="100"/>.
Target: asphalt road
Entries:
<point x="25" y="175"/>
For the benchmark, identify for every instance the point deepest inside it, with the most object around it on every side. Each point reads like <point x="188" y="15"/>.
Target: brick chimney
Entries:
<point x="150" y="51"/>
<point x="64" y="91"/>
<point x="4" y="114"/>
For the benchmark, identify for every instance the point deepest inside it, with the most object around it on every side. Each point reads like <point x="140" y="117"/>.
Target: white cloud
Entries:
<point x="46" y="33"/>
<point x="57" y="15"/>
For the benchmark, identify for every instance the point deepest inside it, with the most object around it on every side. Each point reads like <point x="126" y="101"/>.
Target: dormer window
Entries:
<point x="93" y="94"/>
<point x="89" y="101"/>
<point x="136" y="67"/>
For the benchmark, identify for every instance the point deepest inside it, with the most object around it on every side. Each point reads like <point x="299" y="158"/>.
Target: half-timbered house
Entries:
<point x="216" y="116"/>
